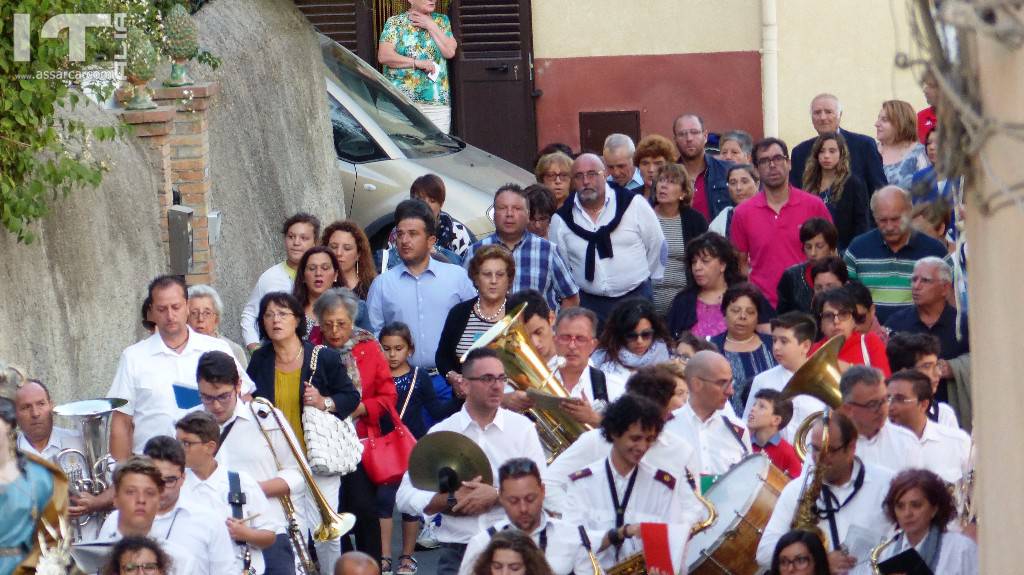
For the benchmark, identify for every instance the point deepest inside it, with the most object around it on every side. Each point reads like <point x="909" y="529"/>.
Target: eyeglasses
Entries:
<point x="900" y="399"/>
<point x="493" y="275"/>
<point x="566" y="339"/>
<point x="333" y="326"/>
<point x="554" y="177"/>
<point x="170" y="480"/>
<point x="765" y="162"/>
<point x="644" y="335"/>
<point x="873" y="405"/>
<point x="188" y="444"/>
<point x="273" y="315"/>
<point x="833" y="317"/>
<point x="130" y="568"/>
<point x="488" y="379"/>
<point x="723" y="383"/>
<point x="221" y="399"/>
<point x="800" y="561"/>
<point x="201" y="314"/>
<point x="584" y="176"/>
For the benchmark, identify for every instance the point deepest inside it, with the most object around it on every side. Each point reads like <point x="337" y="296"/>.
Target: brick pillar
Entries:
<point x="189" y="164"/>
<point x="154" y="127"/>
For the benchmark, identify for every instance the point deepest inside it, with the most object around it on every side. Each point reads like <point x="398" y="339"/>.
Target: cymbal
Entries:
<point x="90" y="406"/>
<point x="440" y="450"/>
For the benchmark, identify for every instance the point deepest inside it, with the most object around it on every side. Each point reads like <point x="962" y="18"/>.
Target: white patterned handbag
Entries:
<point x="332" y="445"/>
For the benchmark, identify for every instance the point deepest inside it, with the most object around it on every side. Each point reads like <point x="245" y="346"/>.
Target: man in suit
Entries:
<point x="865" y="161"/>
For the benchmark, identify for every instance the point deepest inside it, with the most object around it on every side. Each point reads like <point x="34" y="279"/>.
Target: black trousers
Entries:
<point x="278" y="558"/>
<point x="359" y="497"/>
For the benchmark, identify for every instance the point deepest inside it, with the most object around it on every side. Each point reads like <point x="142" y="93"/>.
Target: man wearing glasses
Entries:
<point x="500" y="433"/>
<point x="711" y="191"/>
<point x="850" y="504"/>
<point x="721" y="440"/>
<point x="766" y="228"/>
<point x="879" y="442"/>
<point x="244" y="448"/>
<point x="609" y="237"/>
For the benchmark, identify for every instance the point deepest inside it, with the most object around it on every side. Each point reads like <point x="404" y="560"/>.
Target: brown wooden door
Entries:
<point x="347" y="22"/>
<point x="492" y="78"/>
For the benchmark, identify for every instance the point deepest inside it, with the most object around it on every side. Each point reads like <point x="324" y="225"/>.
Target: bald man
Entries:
<point x="720" y="438"/>
<point x="356" y="563"/>
<point x="883" y="259"/>
<point x="609" y="268"/>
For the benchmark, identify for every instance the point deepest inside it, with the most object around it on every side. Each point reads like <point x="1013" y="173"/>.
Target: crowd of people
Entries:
<point x="672" y="337"/>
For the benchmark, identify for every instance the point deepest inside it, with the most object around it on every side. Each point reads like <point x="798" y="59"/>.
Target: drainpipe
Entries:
<point x="770" y="67"/>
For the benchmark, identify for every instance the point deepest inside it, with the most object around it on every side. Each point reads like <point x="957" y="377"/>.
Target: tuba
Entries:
<point x="88" y="469"/>
<point x="819" y="378"/>
<point x="527" y="370"/>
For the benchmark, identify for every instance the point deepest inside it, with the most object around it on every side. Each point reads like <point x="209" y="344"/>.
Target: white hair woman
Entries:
<point x="204" y="312"/>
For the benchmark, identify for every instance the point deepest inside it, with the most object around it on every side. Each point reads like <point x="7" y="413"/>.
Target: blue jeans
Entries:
<point x="278" y="558"/>
<point x="450" y="560"/>
<point x="603" y="305"/>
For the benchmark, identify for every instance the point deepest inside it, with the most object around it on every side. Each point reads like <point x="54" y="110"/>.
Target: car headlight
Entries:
<point x="489" y="212"/>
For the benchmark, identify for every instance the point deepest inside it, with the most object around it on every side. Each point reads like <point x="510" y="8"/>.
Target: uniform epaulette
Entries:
<point x="662" y="476"/>
<point x="585" y="472"/>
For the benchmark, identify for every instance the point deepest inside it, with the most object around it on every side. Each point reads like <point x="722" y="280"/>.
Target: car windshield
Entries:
<point x="411" y="131"/>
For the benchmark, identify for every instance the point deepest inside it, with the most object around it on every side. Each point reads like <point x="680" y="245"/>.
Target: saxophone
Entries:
<point x="876" y="553"/>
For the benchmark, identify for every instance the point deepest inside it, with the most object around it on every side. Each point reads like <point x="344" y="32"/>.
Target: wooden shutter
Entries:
<point x="489" y="29"/>
<point x="347" y="22"/>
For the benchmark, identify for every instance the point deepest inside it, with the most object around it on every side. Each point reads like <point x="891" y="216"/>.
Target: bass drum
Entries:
<point x="744" y="497"/>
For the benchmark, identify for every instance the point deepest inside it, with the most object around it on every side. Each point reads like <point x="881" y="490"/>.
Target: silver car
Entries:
<point x="383" y="143"/>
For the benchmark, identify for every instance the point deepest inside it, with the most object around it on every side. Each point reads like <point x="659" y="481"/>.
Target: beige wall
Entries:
<point x="843" y="46"/>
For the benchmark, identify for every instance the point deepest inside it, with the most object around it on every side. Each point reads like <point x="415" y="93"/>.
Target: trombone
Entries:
<point x="332" y="524"/>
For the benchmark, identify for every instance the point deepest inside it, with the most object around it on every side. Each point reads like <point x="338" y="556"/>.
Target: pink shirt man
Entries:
<point x="771" y="239"/>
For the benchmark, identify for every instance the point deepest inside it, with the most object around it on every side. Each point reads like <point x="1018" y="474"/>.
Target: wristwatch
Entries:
<point x="328" y="404"/>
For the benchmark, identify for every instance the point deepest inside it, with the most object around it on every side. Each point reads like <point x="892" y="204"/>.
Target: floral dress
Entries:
<point x="416" y="43"/>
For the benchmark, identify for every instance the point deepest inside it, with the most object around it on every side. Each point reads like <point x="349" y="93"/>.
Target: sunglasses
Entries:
<point x="645" y="335"/>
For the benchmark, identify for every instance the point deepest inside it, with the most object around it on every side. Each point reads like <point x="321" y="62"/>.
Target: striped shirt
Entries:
<point x="886" y="273"/>
<point x="475" y="327"/>
<point x="538" y="267"/>
<point x="674" y="281"/>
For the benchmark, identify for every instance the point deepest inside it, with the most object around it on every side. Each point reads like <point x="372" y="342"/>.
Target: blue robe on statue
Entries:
<point x="21" y="503"/>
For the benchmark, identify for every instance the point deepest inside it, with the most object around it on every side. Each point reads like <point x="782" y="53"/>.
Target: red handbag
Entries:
<point x="386" y="457"/>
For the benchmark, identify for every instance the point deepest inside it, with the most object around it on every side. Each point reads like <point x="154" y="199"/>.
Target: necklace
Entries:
<point x="740" y="341"/>
<point x="489" y="319"/>
<point x="296" y="358"/>
<point x="177" y="348"/>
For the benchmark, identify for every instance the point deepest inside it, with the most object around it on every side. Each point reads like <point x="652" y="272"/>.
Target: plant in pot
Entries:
<point x="140" y="69"/>
<point x="182" y="44"/>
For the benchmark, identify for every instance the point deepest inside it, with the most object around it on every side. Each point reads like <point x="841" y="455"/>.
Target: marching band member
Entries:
<point x="618" y="493"/>
<point x="720" y="439"/>
<point x="851" y="496"/>
<point x="244" y="435"/>
<point x="232" y="496"/>
<point x="575" y="342"/>
<point x="500" y="433"/>
<point x="521" y="495"/>
<point x="921" y="506"/>
<point x="945" y="450"/>
<point x="669" y="452"/>
<point x="866" y="403"/>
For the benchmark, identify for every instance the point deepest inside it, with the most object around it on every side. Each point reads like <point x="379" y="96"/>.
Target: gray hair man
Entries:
<point x="883" y="258"/>
<point x="865" y="161"/>
<point x="866" y="403"/>
<point x="618" y="158"/>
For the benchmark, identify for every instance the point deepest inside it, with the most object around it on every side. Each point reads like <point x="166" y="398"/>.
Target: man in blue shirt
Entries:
<point x="538" y="265"/>
<point x="618" y="157"/>
<point x="421" y="290"/>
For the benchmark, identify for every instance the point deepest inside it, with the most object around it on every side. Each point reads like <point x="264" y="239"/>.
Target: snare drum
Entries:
<point x="744" y="497"/>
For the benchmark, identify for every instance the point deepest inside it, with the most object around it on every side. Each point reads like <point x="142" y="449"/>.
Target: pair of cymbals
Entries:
<point x="447" y="455"/>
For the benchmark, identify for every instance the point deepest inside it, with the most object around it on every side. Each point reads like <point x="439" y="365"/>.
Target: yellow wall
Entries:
<point x="841" y="46"/>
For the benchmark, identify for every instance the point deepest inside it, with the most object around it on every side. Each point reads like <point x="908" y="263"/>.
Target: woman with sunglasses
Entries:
<point x="799" y="553"/>
<point x="749" y="352"/>
<point x="836" y="313"/>
<point x="634" y="336"/>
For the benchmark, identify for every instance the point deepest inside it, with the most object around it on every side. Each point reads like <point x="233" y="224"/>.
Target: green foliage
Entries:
<point x="182" y="35"/>
<point x="142" y="58"/>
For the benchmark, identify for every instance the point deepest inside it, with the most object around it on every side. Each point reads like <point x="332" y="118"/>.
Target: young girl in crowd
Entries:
<point x="415" y="396"/>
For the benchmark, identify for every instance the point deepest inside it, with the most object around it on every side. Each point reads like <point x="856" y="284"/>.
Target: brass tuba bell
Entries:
<point x="526" y="369"/>
<point x="819" y="378"/>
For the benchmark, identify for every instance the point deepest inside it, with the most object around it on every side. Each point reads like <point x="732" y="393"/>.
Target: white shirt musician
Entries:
<point x="720" y="438"/>
<point x="522" y="495"/>
<point x="617" y="493"/>
<point x="849" y="507"/>
<point x="500" y="433"/>
<point x="866" y="403"/>
<point x="957" y="554"/>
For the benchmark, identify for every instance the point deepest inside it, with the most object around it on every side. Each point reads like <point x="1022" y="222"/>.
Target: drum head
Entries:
<point x="732" y="494"/>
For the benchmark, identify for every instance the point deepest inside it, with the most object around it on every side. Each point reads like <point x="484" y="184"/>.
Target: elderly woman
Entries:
<point x="204" y="311"/>
<point x="796" y="286"/>
<point x="735" y="146"/>
<point x="902" y="154"/>
<point x="554" y="170"/>
<point x="715" y="266"/>
<point x="493" y="271"/>
<point x="367" y="367"/>
<point x="749" y="352"/>
<point x="827" y="175"/>
<point x="318" y="272"/>
<point x="137" y="555"/>
<point x="921" y="506"/>
<point x="742" y="180"/>
<point x="634" y="336"/>
<point x="357" y="271"/>
<point x="283" y="374"/>
<point x="414" y="50"/>
<point x="836" y="313"/>
<point x="680" y="223"/>
<point x="653" y="152"/>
